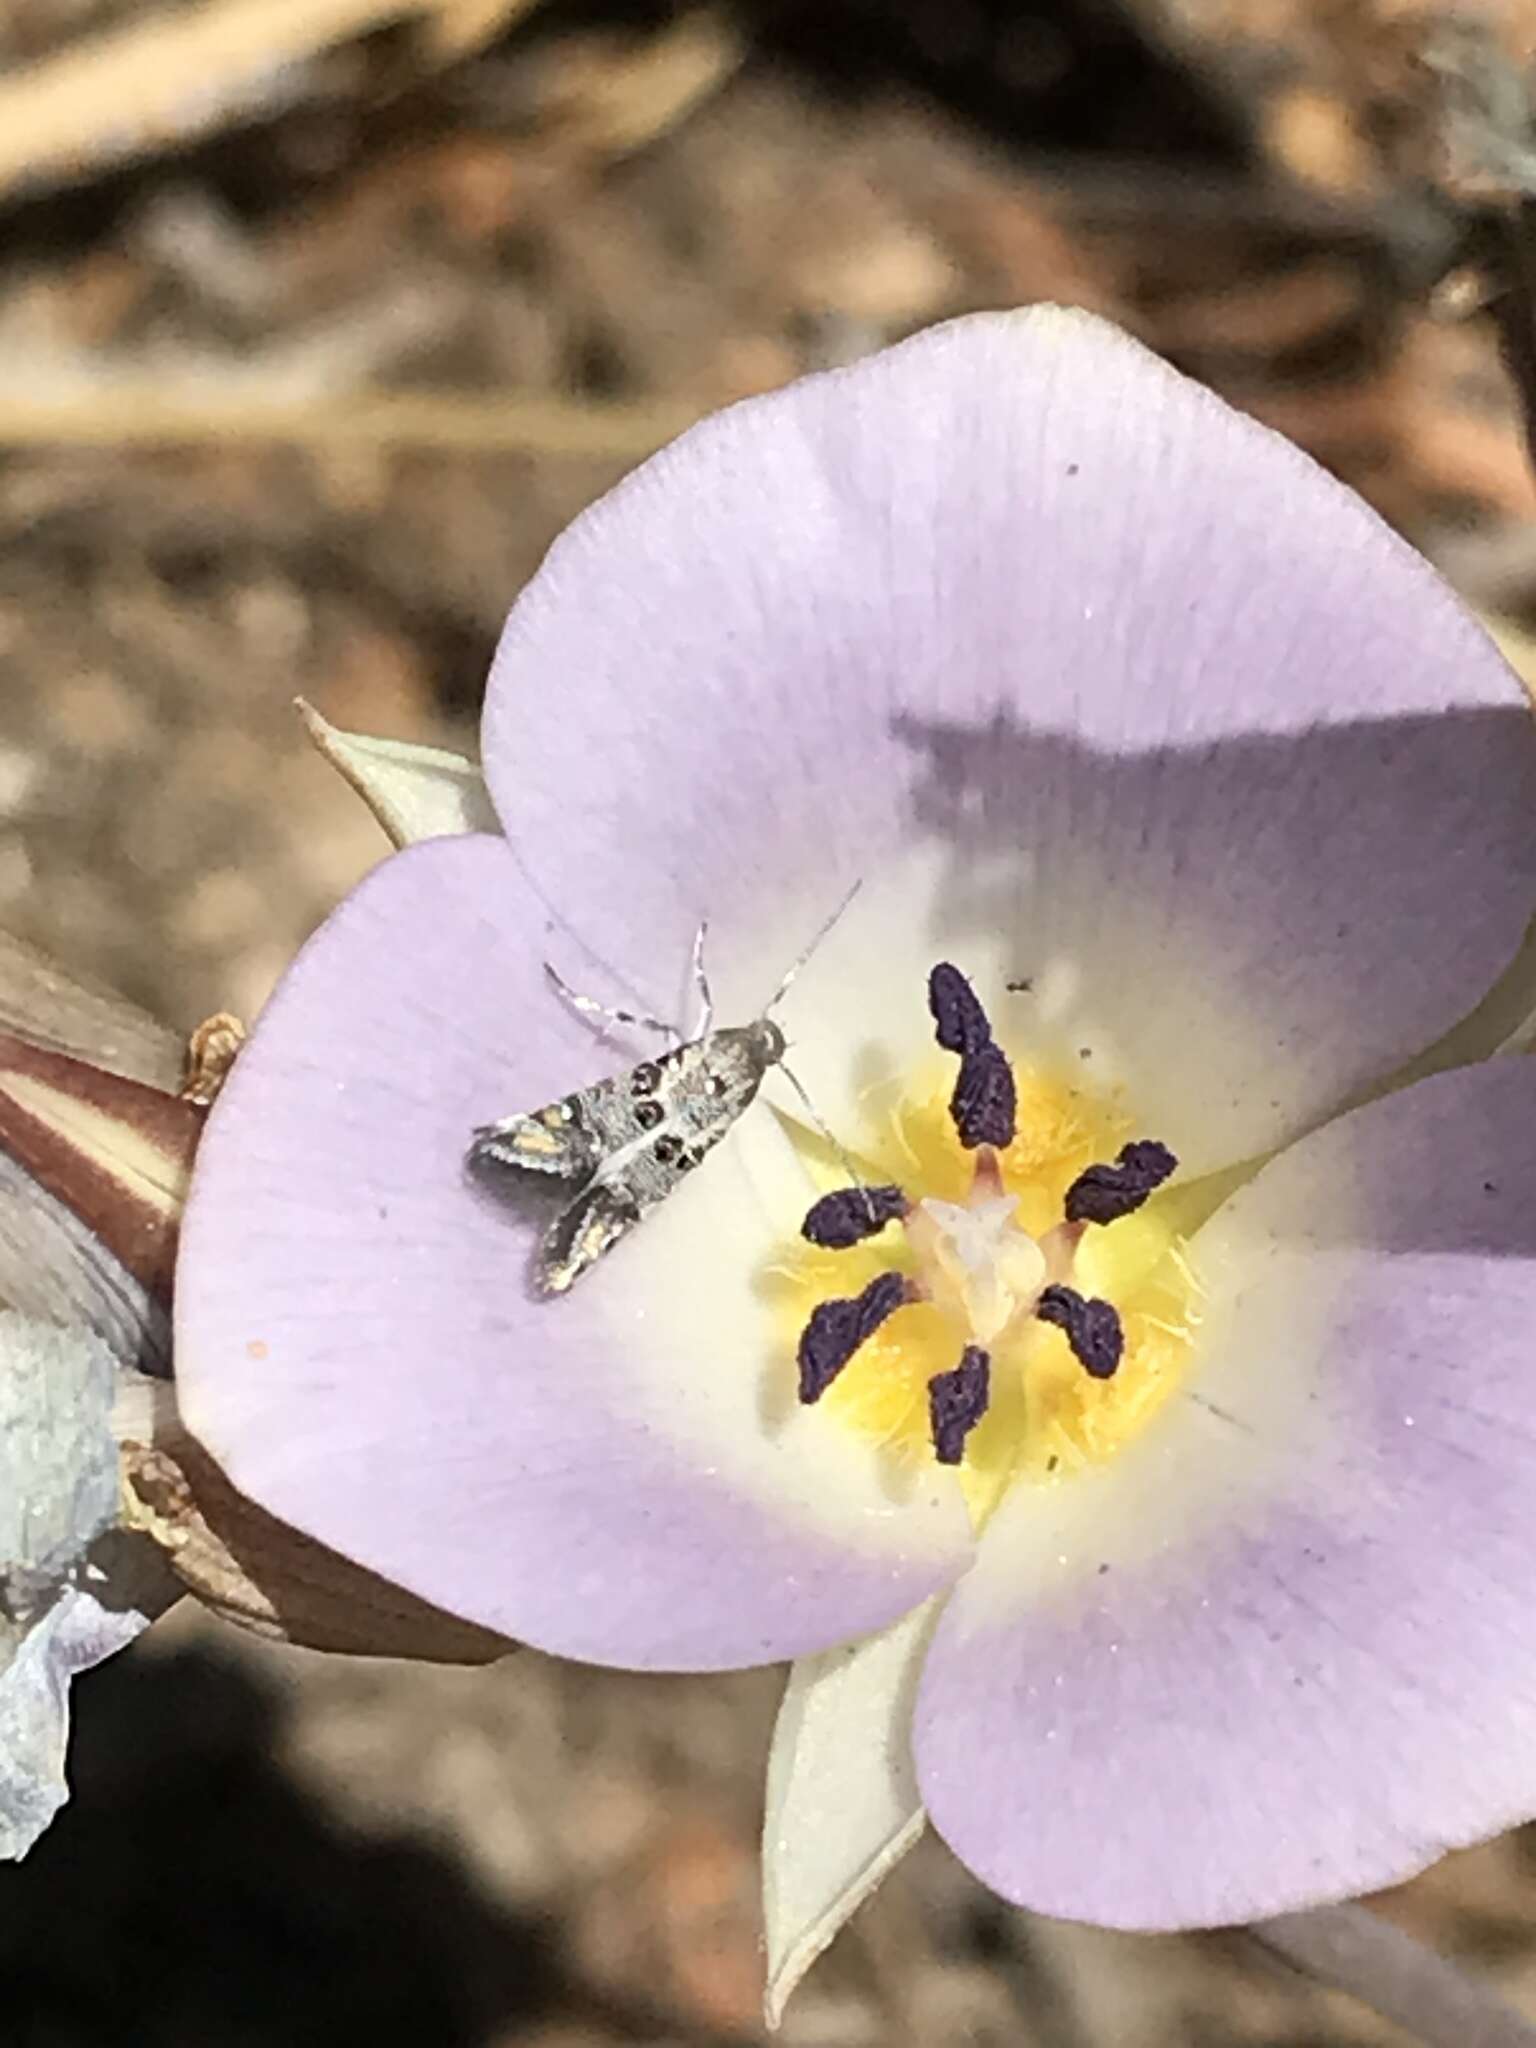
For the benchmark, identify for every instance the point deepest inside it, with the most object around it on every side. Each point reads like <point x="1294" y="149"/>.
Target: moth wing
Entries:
<point x="554" y="1140"/>
<point x="598" y="1217"/>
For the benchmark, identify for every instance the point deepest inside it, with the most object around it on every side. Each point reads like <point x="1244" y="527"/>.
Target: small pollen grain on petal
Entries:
<point x="1103" y="1194"/>
<point x="957" y="1401"/>
<point x="1092" y="1328"/>
<point x="848" y="1215"/>
<point x="960" y="1023"/>
<point x="837" y="1329"/>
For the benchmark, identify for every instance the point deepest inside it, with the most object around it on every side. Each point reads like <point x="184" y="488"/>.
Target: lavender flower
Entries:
<point x="1199" y="1596"/>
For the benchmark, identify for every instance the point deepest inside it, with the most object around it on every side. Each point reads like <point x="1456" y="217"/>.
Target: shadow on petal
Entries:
<point x="1249" y="933"/>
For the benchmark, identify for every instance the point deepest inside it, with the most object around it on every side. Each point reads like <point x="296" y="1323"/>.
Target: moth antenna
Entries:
<point x="783" y="988"/>
<point x="825" y="1129"/>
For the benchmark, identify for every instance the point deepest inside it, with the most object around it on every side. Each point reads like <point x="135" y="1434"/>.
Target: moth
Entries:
<point x="625" y="1143"/>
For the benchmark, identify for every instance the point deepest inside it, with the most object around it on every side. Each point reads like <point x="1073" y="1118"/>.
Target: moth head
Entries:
<point x="767" y="1041"/>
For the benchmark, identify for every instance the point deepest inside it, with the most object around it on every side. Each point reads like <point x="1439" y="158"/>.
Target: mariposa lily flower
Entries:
<point x="1123" y="1416"/>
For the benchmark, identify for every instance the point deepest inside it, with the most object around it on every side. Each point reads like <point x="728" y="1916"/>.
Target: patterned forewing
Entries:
<point x="655" y="1123"/>
<point x="585" y="1228"/>
<point x="652" y="1126"/>
<point x="629" y="1140"/>
<point x="554" y="1140"/>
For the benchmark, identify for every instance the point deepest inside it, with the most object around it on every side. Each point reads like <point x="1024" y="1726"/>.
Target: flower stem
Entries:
<point x="1357" y="1951"/>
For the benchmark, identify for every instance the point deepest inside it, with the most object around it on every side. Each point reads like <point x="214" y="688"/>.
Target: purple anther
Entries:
<point x="957" y="1401"/>
<point x="1092" y="1328"/>
<point x="959" y="1020"/>
<point x="984" y="1104"/>
<point x="1103" y="1194"/>
<point x="850" y="1215"/>
<point x="837" y="1329"/>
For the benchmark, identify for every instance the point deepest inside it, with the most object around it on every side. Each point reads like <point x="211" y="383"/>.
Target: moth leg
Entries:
<point x="705" y="1015"/>
<point x="588" y="1006"/>
<point x="600" y="1215"/>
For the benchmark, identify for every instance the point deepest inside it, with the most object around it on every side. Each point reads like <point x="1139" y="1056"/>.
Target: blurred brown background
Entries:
<point x="318" y="318"/>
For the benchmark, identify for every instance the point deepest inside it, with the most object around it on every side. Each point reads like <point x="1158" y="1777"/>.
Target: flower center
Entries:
<point x="1005" y="1328"/>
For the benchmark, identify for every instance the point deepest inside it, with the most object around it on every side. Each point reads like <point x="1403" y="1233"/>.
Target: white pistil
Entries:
<point x="974" y="1261"/>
